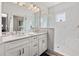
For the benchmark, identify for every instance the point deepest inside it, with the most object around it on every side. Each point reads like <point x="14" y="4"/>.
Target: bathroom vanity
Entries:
<point x="30" y="44"/>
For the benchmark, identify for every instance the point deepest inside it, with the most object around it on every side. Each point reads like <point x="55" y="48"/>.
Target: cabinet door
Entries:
<point x="25" y="51"/>
<point x="40" y="47"/>
<point x="1" y="50"/>
<point x="44" y="44"/>
<point x="34" y="48"/>
<point x="28" y="50"/>
<point x="13" y="52"/>
<point x="34" y="52"/>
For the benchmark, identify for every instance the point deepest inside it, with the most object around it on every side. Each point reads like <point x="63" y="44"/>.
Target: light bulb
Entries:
<point x="34" y="8"/>
<point x="37" y="10"/>
<point x="31" y="6"/>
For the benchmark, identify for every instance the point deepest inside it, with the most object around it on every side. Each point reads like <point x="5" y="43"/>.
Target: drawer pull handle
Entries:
<point x="23" y="51"/>
<point x="35" y="45"/>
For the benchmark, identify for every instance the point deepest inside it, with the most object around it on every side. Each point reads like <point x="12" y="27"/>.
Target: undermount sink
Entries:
<point x="32" y="33"/>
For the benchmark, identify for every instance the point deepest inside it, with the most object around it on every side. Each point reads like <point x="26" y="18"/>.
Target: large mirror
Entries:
<point x="18" y="22"/>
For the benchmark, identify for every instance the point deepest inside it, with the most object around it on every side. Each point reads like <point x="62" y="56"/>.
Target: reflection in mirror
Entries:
<point x="18" y="23"/>
<point x="4" y="23"/>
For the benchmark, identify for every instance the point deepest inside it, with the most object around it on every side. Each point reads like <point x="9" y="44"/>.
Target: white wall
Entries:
<point x="51" y="18"/>
<point x="13" y="9"/>
<point x="66" y="39"/>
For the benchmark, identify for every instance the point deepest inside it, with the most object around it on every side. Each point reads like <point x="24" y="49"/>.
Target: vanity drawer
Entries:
<point x="13" y="44"/>
<point x="35" y="44"/>
<point x="34" y="38"/>
<point x="34" y="48"/>
<point x="34" y="52"/>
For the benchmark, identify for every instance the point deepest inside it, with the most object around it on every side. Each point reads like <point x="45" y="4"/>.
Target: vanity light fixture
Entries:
<point x="21" y="3"/>
<point x="38" y="9"/>
<point x="29" y="6"/>
<point x="34" y="7"/>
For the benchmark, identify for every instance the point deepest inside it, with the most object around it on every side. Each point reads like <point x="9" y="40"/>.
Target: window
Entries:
<point x="60" y="17"/>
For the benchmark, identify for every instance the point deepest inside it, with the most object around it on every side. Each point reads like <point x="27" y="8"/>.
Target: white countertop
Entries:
<point x="17" y="37"/>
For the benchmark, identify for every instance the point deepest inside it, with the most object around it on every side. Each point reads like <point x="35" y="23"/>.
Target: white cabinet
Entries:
<point x="34" y="46"/>
<point x="40" y="47"/>
<point x="18" y="48"/>
<point x="13" y="52"/>
<point x="25" y="51"/>
<point x="42" y="43"/>
<point x="1" y="49"/>
<point x="22" y="50"/>
<point x="31" y="46"/>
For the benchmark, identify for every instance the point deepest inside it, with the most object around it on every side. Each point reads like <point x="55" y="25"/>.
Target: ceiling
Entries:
<point x="46" y="4"/>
